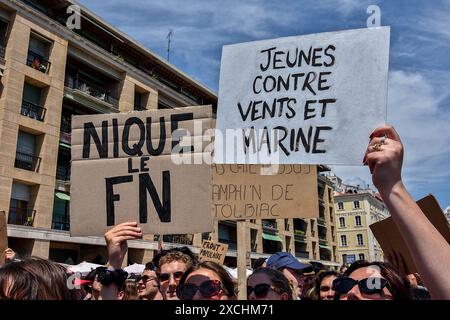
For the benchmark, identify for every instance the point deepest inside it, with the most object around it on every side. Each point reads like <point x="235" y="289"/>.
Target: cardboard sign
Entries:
<point x="213" y="251"/>
<point x="250" y="192"/>
<point x="3" y="236"/>
<point x="391" y="241"/>
<point x="127" y="167"/>
<point x="306" y="99"/>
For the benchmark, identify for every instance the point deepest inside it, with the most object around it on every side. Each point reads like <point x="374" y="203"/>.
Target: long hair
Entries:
<point x="227" y="282"/>
<point x="34" y="279"/>
<point x="130" y="291"/>
<point x="278" y="280"/>
<point x="395" y="284"/>
<point x="319" y="278"/>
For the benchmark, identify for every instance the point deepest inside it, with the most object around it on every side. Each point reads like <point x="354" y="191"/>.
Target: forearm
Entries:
<point x="429" y="250"/>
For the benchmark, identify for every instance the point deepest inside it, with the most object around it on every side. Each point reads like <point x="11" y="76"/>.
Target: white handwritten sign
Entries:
<point x="306" y="99"/>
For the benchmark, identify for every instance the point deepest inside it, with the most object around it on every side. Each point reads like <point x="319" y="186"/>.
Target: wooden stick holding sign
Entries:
<point x="242" y="259"/>
<point x="3" y="236"/>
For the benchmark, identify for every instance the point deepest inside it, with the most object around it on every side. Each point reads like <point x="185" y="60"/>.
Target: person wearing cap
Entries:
<point x="291" y="268"/>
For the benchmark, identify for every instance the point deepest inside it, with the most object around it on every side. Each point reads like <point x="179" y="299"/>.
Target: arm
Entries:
<point x="429" y="250"/>
<point x="116" y="243"/>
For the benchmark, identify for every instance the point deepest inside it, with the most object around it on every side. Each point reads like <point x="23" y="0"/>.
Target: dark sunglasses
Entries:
<point x="163" y="277"/>
<point x="367" y="286"/>
<point x="145" y="279"/>
<point x="207" y="289"/>
<point x="261" y="290"/>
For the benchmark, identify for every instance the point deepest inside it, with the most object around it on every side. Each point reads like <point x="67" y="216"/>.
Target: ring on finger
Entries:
<point x="383" y="140"/>
<point x="377" y="146"/>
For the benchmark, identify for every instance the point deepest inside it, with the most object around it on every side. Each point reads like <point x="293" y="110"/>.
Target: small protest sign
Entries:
<point x="212" y="251"/>
<point x="307" y="99"/>
<point x="391" y="241"/>
<point x="248" y="192"/>
<point x="127" y="167"/>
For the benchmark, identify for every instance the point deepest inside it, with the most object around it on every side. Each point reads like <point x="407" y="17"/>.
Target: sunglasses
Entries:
<point x="208" y="289"/>
<point x="366" y="286"/>
<point x="260" y="290"/>
<point x="163" y="277"/>
<point x="145" y="279"/>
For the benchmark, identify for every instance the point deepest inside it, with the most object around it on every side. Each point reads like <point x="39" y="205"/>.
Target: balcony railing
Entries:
<point x="32" y="110"/>
<point x="96" y="91"/>
<point x="322" y="241"/>
<point x="321" y="221"/>
<point x="63" y="172"/>
<point x="302" y="254"/>
<point x="300" y="237"/>
<point x="269" y="225"/>
<point x="21" y="216"/>
<point x="38" y="62"/>
<point x="2" y="50"/>
<point x="61" y="225"/>
<point x="27" y="161"/>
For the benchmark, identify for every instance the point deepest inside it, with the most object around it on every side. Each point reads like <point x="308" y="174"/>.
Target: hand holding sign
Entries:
<point x="116" y="241"/>
<point x="384" y="156"/>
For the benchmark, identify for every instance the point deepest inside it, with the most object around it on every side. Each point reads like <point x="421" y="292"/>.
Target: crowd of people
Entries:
<point x="177" y="274"/>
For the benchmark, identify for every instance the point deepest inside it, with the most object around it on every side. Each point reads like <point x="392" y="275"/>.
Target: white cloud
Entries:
<point x="416" y="108"/>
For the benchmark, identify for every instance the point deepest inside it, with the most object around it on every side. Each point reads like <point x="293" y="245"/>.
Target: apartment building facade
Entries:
<point x="356" y="210"/>
<point x="49" y="73"/>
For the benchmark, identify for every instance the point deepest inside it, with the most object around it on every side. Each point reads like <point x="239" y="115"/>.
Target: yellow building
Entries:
<point x="356" y="210"/>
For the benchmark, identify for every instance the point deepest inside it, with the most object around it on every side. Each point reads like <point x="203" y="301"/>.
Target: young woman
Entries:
<point x="206" y="281"/>
<point x="268" y="284"/>
<point x="365" y="280"/>
<point x="324" y="285"/>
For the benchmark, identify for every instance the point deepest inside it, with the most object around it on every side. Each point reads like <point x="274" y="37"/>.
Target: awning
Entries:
<point x="62" y="196"/>
<point x="65" y="145"/>
<point x="271" y="237"/>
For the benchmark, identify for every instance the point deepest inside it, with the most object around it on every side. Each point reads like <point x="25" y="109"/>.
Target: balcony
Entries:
<point x="27" y="161"/>
<point x="322" y="241"/>
<point x="91" y="89"/>
<point x="299" y="235"/>
<point x="61" y="225"/>
<point x="302" y="254"/>
<point x="269" y="225"/>
<point x="38" y="62"/>
<point x="321" y="221"/>
<point x="33" y="111"/>
<point x="2" y="51"/>
<point x="21" y="216"/>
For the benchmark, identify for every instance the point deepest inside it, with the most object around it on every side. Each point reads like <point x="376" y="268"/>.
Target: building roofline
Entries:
<point x="119" y="34"/>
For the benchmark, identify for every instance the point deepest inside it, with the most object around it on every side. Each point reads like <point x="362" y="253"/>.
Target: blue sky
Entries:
<point x="419" y="78"/>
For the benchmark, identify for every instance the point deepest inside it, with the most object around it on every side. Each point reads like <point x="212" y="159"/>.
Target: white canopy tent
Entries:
<point x="84" y="267"/>
<point x="135" y="268"/>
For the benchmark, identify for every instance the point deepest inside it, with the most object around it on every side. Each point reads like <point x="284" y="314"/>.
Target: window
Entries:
<point x="25" y="152"/>
<point x="342" y="222"/>
<point x="358" y="221"/>
<point x="31" y="102"/>
<point x="18" y="208"/>
<point x="340" y="206"/>
<point x="361" y="256"/>
<point x="3" y="36"/>
<point x="343" y="240"/>
<point x="359" y="238"/>
<point x="356" y="204"/>
<point x="38" y="53"/>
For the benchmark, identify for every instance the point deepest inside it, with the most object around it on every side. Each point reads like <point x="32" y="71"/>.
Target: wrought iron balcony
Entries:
<point x="92" y="89"/>
<point x="38" y="62"/>
<point x="27" y="161"/>
<point x="21" y="216"/>
<point x="32" y="110"/>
